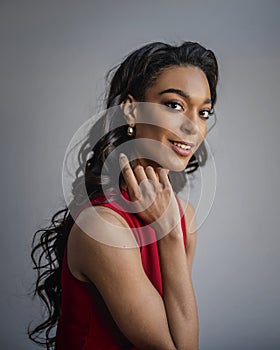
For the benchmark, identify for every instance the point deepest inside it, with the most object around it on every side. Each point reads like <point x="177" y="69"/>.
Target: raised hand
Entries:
<point x="151" y="195"/>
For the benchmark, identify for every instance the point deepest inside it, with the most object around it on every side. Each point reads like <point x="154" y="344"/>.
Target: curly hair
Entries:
<point x="134" y="75"/>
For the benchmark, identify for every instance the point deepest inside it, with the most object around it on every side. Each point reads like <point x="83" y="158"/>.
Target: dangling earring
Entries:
<point x="130" y="131"/>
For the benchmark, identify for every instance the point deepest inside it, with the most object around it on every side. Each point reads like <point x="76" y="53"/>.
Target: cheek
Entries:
<point x="202" y="129"/>
<point x="154" y="130"/>
<point x="157" y="120"/>
<point x="147" y="131"/>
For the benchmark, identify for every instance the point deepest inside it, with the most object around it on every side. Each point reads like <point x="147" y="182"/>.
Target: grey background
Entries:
<point x="54" y="56"/>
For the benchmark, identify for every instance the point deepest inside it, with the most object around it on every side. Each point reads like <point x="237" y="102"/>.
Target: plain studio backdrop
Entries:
<point x="54" y="56"/>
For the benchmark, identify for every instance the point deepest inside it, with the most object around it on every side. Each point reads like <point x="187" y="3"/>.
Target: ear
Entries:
<point x="128" y="107"/>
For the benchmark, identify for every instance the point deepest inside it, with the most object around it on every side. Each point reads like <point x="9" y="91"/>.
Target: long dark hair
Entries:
<point x="133" y="76"/>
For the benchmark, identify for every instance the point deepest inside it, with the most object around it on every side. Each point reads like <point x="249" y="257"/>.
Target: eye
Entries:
<point x="176" y="106"/>
<point x="206" y="113"/>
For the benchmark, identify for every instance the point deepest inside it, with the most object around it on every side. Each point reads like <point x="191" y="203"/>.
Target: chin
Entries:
<point x="176" y="166"/>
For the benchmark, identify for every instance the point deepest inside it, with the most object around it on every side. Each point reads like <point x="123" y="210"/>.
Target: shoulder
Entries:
<point x="96" y="230"/>
<point x="96" y="213"/>
<point x="106" y="226"/>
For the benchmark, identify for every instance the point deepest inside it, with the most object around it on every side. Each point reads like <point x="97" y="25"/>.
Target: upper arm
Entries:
<point x="190" y="220"/>
<point x="134" y="303"/>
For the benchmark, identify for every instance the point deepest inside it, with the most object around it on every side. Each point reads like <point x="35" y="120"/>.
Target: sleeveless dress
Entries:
<point x="84" y="322"/>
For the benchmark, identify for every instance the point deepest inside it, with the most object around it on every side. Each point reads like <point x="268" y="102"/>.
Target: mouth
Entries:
<point x="182" y="148"/>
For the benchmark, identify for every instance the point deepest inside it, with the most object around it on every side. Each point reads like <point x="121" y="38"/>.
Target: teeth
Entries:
<point x="182" y="145"/>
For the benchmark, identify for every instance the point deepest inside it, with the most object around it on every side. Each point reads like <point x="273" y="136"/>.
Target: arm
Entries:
<point x="191" y="250"/>
<point x="145" y="318"/>
<point x="118" y="274"/>
<point x="178" y="294"/>
<point x="163" y="214"/>
<point x="190" y="221"/>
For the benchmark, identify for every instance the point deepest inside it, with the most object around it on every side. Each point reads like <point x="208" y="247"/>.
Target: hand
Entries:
<point x="152" y="197"/>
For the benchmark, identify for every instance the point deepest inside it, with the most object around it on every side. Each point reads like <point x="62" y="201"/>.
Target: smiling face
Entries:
<point x="171" y="123"/>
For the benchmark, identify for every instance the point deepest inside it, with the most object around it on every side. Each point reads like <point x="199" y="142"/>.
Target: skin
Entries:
<point x="171" y="116"/>
<point x="148" y="320"/>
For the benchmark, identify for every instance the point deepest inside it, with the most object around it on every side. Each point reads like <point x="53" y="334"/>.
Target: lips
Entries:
<point x="182" y="143"/>
<point x="183" y="148"/>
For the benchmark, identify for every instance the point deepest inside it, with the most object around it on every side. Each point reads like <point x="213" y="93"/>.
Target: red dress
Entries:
<point x="85" y="322"/>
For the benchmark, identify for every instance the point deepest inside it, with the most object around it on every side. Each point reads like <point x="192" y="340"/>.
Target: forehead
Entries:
<point x="191" y="80"/>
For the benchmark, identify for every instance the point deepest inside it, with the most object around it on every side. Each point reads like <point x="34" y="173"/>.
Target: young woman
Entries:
<point x="117" y="274"/>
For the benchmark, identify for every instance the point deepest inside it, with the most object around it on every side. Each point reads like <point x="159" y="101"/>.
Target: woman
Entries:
<point x="130" y="287"/>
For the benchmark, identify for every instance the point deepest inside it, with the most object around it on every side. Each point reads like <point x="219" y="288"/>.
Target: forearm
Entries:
<point x="178" y="293"/>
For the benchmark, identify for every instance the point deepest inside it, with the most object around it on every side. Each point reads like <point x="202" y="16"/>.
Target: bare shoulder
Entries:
<point x="103" y="225"/>
<point x="94" y="214"/>
<point x="97" y="230"/>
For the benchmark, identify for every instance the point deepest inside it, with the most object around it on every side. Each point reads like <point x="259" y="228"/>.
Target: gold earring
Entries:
<point x="130" y="131"/>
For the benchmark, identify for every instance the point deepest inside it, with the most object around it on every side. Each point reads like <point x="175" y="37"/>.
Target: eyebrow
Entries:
<point x="181" y="93"/>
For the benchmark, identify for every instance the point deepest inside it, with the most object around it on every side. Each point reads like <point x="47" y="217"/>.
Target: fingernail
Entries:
<point x="122" y="155"/>
<point x="162" y="170"/>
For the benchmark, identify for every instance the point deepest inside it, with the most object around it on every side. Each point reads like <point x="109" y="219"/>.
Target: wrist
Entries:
<point x="173" y="233"/>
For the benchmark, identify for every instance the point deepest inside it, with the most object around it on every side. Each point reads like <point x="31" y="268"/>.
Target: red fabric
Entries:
<point x="85" y="322"/>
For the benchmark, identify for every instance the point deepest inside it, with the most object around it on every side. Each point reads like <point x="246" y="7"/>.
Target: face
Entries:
<point x="171" y="124"/>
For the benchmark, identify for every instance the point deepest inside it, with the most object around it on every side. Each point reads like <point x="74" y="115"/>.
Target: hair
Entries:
<point x="134" y="75"/>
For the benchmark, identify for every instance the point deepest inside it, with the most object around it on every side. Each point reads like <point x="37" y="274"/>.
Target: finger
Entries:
<point x="140" y="173"/>
<point x="129" y="177"/>
<point x="163" y="177"/>
<point x="151" y="175"/>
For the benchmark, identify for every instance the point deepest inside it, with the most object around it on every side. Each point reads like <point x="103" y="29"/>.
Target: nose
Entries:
<point x="190" y="124"/>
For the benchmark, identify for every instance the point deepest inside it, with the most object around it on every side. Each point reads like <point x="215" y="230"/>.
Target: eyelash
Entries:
<point x="168" y="104"/>
<point x="209" y="111"/>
